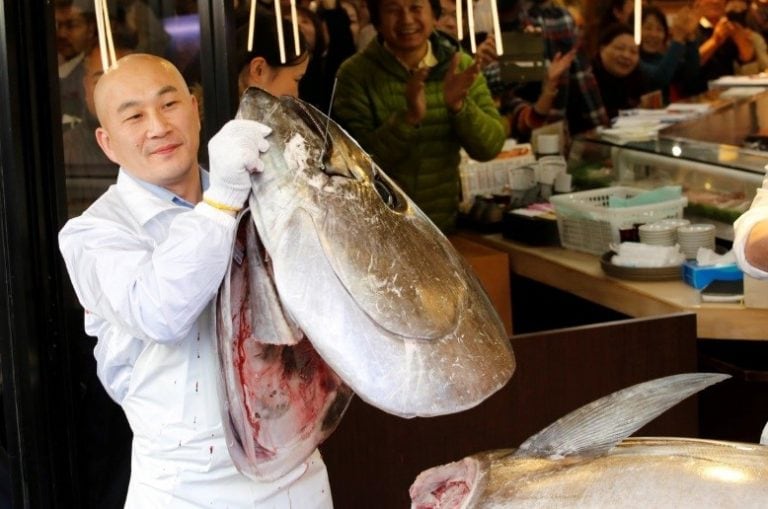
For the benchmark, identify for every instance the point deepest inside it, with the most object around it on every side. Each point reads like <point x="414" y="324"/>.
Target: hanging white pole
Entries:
<point x="295" y="24"/>
<point x="459" y="21"/>
<point x="108" y="32"/>
<point x="279" y="21"/>
<point x="251" y="25"/>
<point x="97" y="6"/>
<point x="638" y="19"/>
<point x="471" y="20"/>
<point x="497" y="28"/>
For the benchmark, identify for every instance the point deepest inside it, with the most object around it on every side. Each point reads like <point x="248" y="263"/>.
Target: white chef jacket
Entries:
<point x="757" y="212"/>
<point x="146" y="268"/>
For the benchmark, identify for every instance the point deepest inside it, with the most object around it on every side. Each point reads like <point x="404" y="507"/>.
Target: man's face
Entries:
<point x="75" y="32"/>
<point x="149" y="121"/>
<point x="405" y="25"/>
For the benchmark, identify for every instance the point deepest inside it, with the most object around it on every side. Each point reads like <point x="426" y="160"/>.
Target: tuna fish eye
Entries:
<point x="387" y="195"/>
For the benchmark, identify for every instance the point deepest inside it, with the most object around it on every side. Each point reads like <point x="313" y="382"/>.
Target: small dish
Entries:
<point x="639" y="273"/>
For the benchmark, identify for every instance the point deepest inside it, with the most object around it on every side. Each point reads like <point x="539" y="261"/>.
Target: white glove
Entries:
<point x="233" y="153"/>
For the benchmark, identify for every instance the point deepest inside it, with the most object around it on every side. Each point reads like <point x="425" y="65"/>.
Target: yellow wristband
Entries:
<point x="221" y="206"/>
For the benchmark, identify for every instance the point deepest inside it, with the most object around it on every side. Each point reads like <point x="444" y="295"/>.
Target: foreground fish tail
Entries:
<point x="597" y="427"/>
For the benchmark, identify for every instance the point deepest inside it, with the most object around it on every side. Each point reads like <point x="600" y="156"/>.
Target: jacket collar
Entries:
<point x="442" y="48"/>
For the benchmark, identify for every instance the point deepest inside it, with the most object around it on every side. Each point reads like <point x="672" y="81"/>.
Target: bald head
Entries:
<point x="150" y="124"/>
<point x="128" y="72"/>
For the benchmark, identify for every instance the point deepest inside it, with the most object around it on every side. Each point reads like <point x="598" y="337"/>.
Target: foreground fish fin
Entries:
<point x="764" y="436"/>
<point x="597" y="427"/>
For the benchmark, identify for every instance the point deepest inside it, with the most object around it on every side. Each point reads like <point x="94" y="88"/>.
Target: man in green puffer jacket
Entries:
<point x="412" y="100"/>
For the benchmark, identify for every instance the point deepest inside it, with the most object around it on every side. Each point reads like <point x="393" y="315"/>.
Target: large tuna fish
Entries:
<point x="380" y="293"/>
<point x="345" y="284"/>
<point x="585" y="461"/>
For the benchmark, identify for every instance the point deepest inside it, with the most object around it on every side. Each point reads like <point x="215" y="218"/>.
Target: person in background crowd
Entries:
<point x="316" y="86"/>
<point x="485" y="49"/>
<point x="138" y="17"/>
<point x="413" y="100"/>
<point x="75" y="36"/>
<point x="520" y="115"/>
<point x="261" y="67"/>
<point x="89" y="171"/>
<point x="723" y="44"/>
<point x="578" y="99"/>
<point x="146" y="260"/>
<point x="447" y="19"/>
<point x="576" y="10"/>
<point x="738" y="12"/>
<point x="757" y="17"/>
<point x="616" y="69"/>
<point x="523" y="116"/>
<point x="669" y="55"/>
<point x="367" y="31"/>
<point x="599" y="15"/>
<point x="354" y="18"/>
<point x="330" y="41"/>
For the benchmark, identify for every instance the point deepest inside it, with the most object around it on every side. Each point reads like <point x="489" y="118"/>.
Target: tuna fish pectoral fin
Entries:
<point x="597" y="427"/>
<point x="269" y="321"/>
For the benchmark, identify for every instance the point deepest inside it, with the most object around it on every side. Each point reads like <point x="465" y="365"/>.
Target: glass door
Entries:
<point x="63" y="441"/>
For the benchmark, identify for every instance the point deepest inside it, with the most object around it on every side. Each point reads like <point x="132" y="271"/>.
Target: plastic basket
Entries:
<point x="586" y="223"/>
<point x="493" y="176"/>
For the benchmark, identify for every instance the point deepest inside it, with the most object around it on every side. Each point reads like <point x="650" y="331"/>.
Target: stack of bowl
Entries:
<point x="693" y="236"/>
<point x="658" y="234"/>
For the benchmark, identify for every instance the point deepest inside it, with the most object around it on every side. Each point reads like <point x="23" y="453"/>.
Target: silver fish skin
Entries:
<point x="639" y="473"/>
<point x="379" y="291"/>
<point x="585" y="460"/>
<point x="280" y="399"/>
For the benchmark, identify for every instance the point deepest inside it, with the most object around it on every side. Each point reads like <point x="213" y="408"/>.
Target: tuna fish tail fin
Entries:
<point x="597" y="427"/>
<point x="764" y="436"/>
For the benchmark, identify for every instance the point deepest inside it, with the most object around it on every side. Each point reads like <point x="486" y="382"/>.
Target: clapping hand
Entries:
<point x="457" y="84"/>
<point x="486" y="52"/>
<point x="415" y="97"/>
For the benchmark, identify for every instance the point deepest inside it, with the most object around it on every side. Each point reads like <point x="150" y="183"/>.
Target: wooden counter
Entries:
<point x="580" y="274"/>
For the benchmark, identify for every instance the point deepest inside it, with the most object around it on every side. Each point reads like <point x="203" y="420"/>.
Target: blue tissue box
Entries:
<point x="699" y="277"/>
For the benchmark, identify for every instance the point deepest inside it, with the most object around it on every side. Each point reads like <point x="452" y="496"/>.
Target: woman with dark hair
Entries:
<point x="616" y="69"/>
<point x="668" y="54"/>
<point x="262" y="67"/>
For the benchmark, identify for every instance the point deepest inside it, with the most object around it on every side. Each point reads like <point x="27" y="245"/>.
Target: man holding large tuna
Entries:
<point x="145" y="260"/>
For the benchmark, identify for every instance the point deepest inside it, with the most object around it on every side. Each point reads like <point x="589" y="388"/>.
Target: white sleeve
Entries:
<point x="154" y="291"/>
<point x="757" y="212"/>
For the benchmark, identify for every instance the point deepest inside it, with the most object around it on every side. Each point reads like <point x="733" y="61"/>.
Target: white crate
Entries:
<point x="493" y="176"/>
<point x="586" y="223"/>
